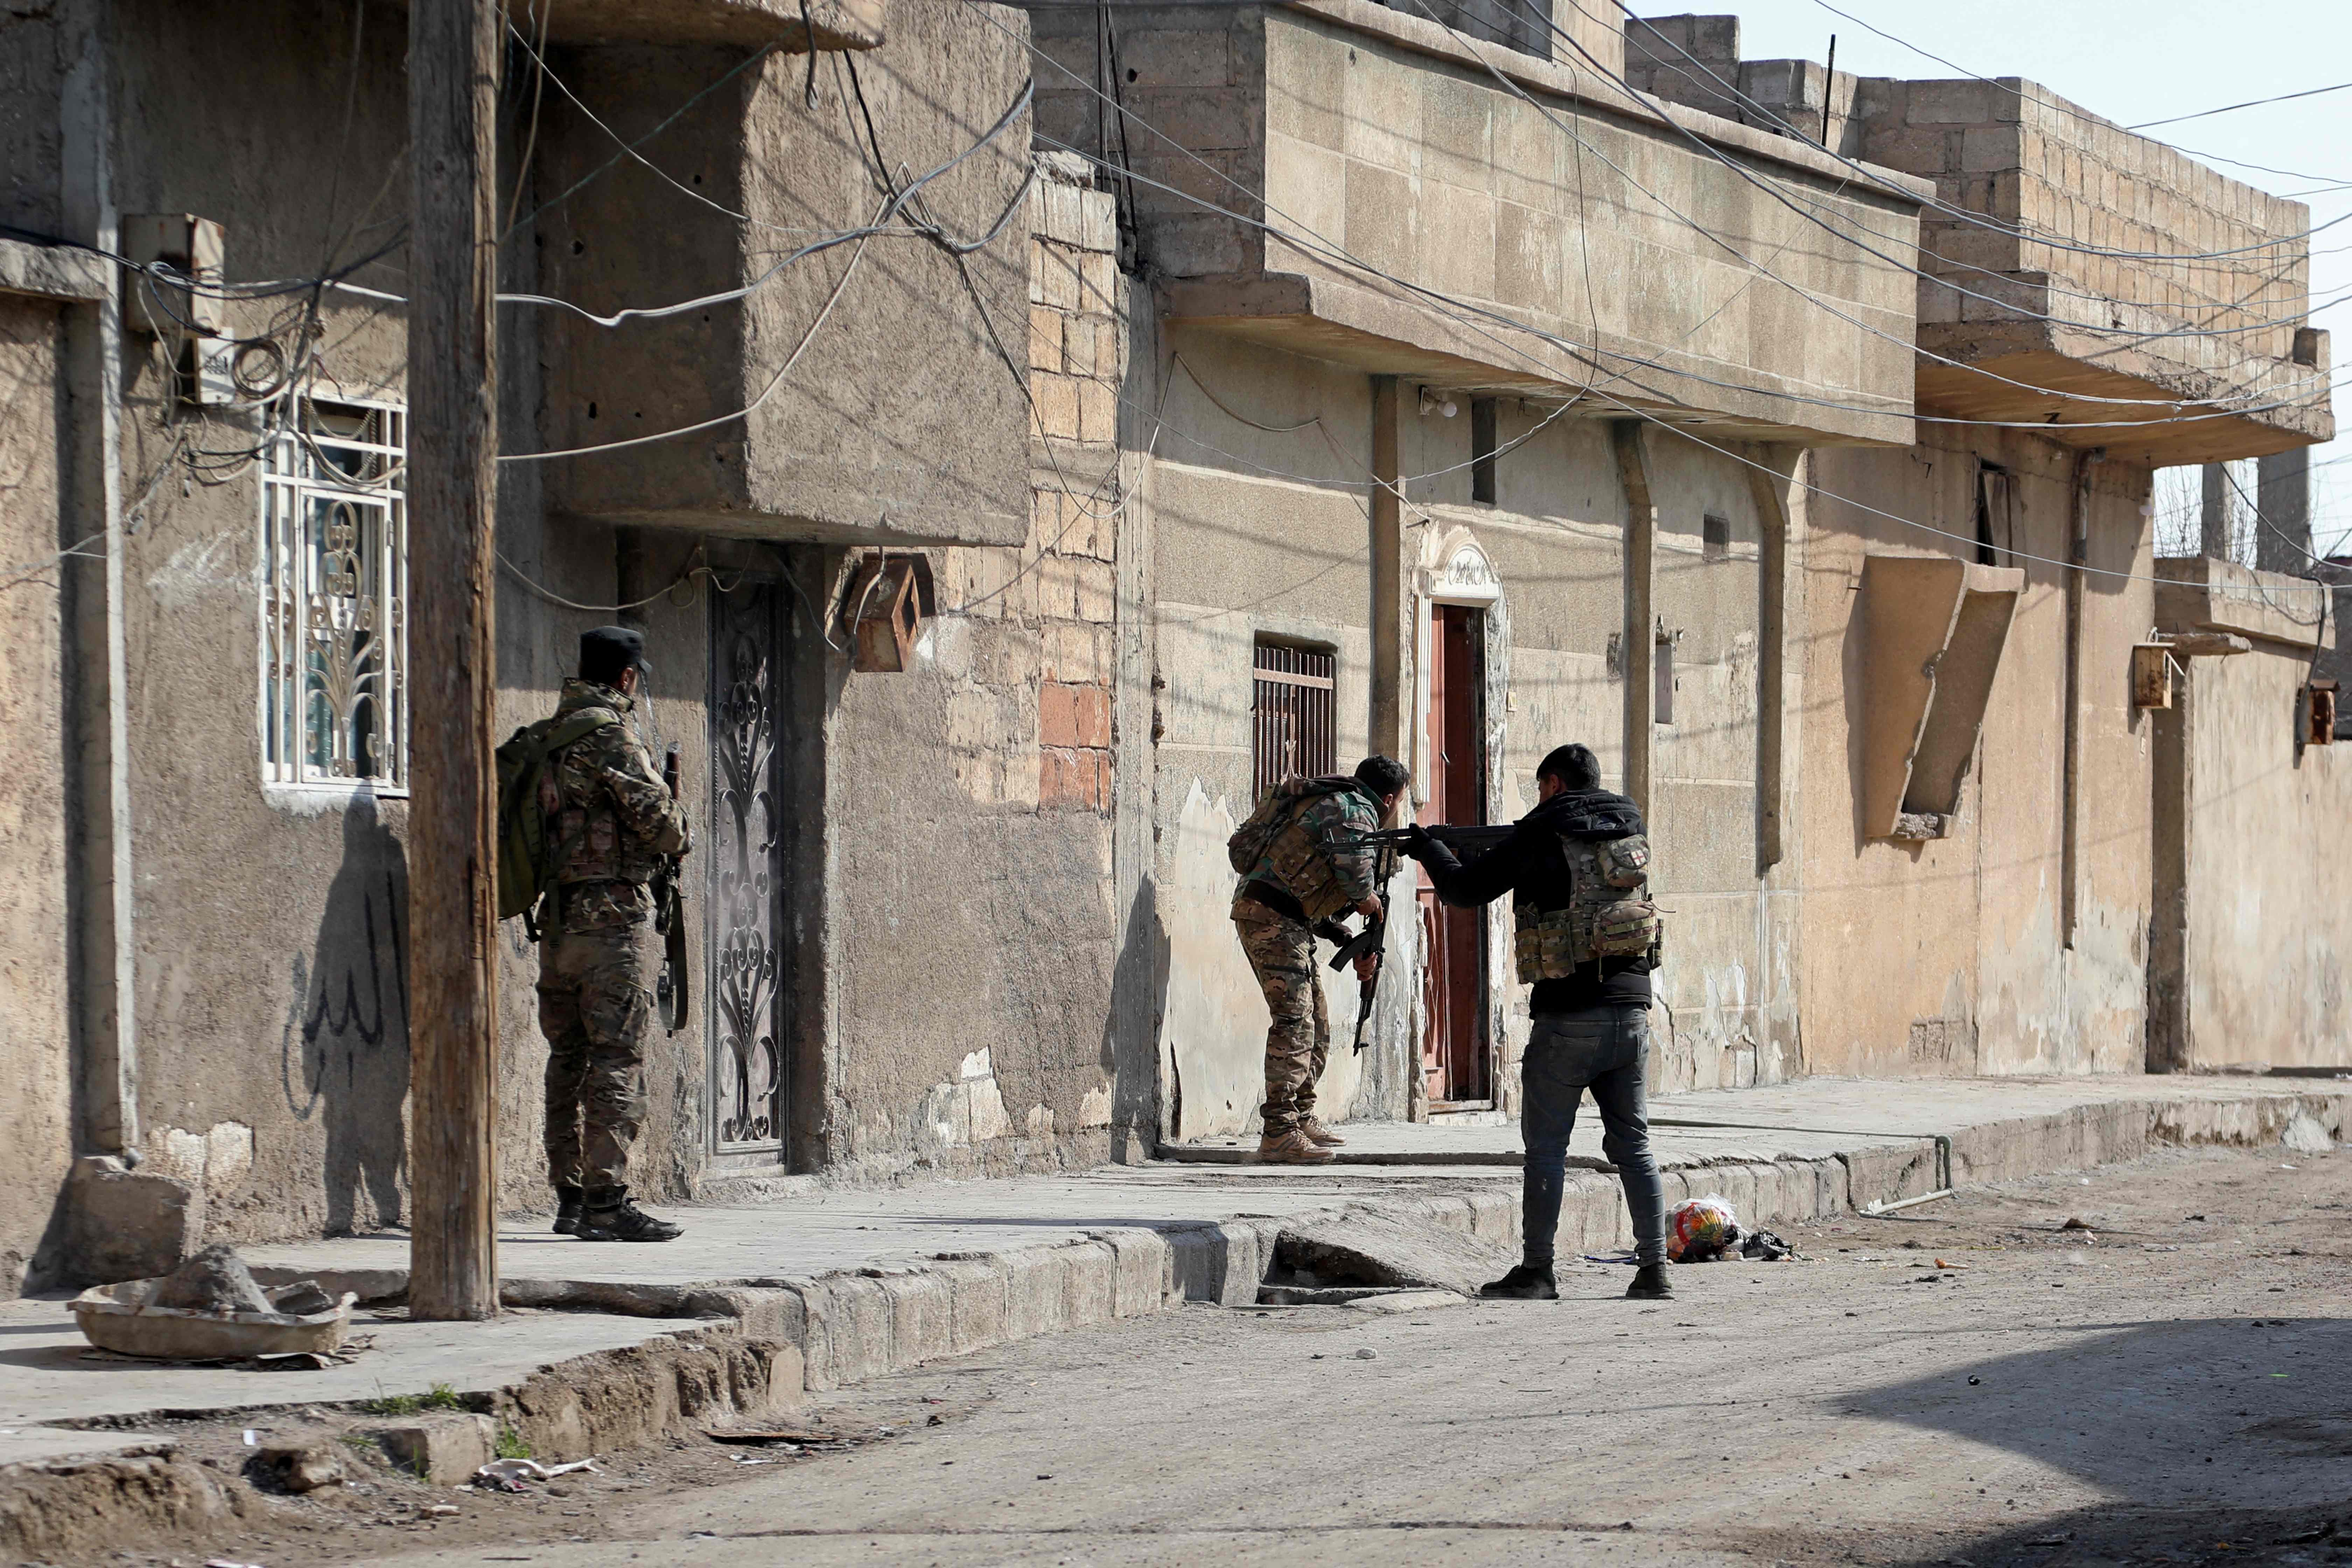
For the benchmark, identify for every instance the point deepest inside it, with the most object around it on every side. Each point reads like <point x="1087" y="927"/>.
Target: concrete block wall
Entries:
<point x="1077" y="350"/>
<point x="2020" y="155"/>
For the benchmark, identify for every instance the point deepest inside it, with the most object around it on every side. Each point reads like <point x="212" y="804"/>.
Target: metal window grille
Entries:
<point x="334" y="597"/>
<point x="1291" y="715"/>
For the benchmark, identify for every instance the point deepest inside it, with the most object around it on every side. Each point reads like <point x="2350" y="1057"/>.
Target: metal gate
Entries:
<point x="744" y="925"/>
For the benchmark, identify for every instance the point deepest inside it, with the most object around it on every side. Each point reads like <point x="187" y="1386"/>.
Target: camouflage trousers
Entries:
<point x="1298" y="1038"/>
<point x="596" y="1009"/>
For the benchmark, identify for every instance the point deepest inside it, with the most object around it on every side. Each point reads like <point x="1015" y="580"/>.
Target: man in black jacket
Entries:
<point x="1587" y="939"/>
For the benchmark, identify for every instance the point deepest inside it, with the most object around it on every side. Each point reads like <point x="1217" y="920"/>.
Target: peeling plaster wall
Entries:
<point x="1242" y="551"/>
<point x="966" y="992"/>
<point x="1948" y="956"/>
<point x="36" y="1024"/>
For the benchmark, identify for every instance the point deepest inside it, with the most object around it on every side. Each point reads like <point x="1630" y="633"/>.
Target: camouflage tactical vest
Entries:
<point x="1609" y="912"/>
<point x="593" y="844"/>
<point x="1299" y="861"/>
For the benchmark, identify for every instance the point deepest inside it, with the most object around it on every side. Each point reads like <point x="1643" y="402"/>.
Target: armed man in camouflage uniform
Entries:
<point x="613" y="822"/>
<point x="1314" y="869"/>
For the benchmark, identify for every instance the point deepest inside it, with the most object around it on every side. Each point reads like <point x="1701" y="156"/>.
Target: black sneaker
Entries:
<point x="567" y="1211"/>
<point x="1528" y="1282"/>
<point x="622" y="1220"/>
<point x="1650" y="1284"/>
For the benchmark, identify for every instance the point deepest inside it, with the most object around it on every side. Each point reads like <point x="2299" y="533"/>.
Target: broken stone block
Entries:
<point x="301" y="1466"/>
<point x="443" y="1449"/>
<point x="123" y="1224"/>
<point x="1369" y="1249"/>
<point x="214" y="1280"/>
<point x="300" y="1299"/>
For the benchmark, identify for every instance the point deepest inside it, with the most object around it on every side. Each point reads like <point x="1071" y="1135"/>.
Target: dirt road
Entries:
<point x="2150" y="1364"/>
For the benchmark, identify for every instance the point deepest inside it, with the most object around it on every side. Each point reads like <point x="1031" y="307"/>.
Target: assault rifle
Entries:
<point x="1369" y="941"/>
<point x="1469" y="843"/>
<point x="669" y="918"/>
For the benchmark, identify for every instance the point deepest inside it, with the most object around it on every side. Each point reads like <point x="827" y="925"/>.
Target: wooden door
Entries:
<point x="1453" y="1049"/>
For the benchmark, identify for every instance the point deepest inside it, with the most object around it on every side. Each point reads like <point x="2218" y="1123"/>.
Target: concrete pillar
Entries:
<point x="2282" y="500"/>
<point x="97" y="652"/>
<point x="1391" y="626"/>
<point x="2219" y="515"/>
<point x="1641" y="647"/>
<point x="1769" y="488"/>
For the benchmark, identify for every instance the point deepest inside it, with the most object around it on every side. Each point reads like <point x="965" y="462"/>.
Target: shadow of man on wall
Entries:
<point x="352" y="1025"/>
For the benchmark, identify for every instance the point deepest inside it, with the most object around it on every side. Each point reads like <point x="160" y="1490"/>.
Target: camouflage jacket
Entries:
<point x="612" y="818"/>
<point x="1319" y="856"/>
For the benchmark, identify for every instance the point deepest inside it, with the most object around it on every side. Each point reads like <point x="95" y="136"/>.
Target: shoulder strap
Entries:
<point x="577" y="726"/>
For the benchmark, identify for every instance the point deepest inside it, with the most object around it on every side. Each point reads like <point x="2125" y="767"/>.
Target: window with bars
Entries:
<point x="334" y="597"/>
<point x="1291" y="714"/>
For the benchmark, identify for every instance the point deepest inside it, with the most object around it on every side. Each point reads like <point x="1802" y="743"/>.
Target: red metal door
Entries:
<point x="1453" y="1049"/>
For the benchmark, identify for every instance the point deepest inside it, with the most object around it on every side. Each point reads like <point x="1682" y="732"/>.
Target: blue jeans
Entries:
<point x="1601" y="1050"/>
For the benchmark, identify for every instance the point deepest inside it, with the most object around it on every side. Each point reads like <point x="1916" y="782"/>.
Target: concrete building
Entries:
<point x="1515" y="389"/>
<point x="903" y="900"/>
<point x="1019" y="457"/>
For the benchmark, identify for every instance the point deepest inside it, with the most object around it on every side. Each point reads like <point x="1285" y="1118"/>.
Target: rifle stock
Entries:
<point x="669" y="912"/>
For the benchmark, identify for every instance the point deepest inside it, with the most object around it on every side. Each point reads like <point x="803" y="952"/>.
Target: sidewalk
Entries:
<point x="839" y="1286"/>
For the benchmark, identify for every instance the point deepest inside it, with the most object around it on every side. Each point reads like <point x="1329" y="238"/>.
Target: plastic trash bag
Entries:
<point x="1701" y="1230"/>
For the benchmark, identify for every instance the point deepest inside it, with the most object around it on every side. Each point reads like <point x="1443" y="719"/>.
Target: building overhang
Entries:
<point x="785" y="25"/>
<point x="1393" y="333"/>
<point x="2067" y="383"/>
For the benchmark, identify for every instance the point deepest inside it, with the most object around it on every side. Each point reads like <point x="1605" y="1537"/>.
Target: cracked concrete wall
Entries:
<point x="36" y="909"/>
<point x="1950" y="956"/>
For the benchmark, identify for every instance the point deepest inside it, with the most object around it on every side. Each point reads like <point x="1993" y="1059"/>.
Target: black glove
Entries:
<point x="1418" y="843"/>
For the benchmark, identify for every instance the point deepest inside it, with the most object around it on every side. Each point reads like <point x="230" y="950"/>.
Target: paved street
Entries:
<point x="2170" y="1379"/>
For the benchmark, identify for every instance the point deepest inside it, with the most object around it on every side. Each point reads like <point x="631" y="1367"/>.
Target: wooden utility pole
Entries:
<point x="453" y="78"/>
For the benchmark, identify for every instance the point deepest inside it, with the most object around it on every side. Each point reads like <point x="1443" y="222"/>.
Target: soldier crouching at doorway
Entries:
<point x="1303" y="863"/>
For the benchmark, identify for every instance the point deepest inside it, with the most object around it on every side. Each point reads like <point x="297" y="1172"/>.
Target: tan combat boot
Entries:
<point x="1317" y="1132"/>
<point x="1291" y="1148"/>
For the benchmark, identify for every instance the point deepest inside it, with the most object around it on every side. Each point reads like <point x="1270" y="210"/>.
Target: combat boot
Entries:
<point x="1318" y="1133"/>
<point x="568" y="1202"/>
<point x="1650" y="1284"/>
<point x="1526" y="1283"/>
<point x="611" y="1216"/>
<point x="1293" y="1147"/>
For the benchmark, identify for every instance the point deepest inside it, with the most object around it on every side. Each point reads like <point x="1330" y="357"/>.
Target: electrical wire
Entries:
<point x="2233" y="108"/>
<point x="775" y="381"/>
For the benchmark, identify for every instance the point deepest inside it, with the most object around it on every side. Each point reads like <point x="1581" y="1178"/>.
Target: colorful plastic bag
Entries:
<point x="1701" y="1230"/>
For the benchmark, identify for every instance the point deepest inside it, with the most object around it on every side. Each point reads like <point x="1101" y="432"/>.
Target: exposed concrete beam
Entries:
<point x="53" y="273"/>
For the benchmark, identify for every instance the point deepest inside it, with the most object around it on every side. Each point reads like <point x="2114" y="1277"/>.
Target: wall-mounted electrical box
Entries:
<point x="887" y="599"/>
<point x="174" y="295"/>
<point x="186" y="248"/>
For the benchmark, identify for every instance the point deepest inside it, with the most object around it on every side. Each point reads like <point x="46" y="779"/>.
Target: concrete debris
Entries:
<point x="2307" y="1134"/>
<point x="1371" y="1250"/>
<point x="509" y="1475"/>
<point x="214" y="1280"/>
<point x="300" y="1299"/>
<point x="443" y="1449"/>
<point x="301" y="1465"/>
